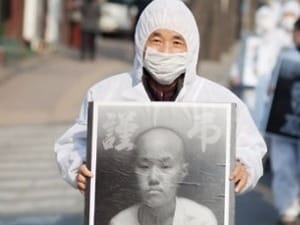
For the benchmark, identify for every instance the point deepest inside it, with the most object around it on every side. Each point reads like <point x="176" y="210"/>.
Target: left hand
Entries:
<point x="240" y="176"/>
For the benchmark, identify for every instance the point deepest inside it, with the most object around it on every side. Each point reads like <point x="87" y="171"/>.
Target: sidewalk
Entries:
<point x="8" y="71"/>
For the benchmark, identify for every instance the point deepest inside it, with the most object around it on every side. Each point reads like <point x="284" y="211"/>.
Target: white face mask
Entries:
<point x="164" y="67"/>
<point x="288" y="23"/>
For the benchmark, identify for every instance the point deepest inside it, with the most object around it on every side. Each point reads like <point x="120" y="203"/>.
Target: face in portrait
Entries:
<point x="295" y="98"/>
<point x="159" y="166"/>
<point x="159" y="169"/>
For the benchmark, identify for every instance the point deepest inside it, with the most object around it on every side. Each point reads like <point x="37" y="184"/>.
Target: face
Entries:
<point x="288" y="20"/>
<point x="159" y="168"/>
<point x="166" y="41"/>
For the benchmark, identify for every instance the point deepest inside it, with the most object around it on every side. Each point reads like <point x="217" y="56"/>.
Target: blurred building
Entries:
<point x="220" y="23"/>
<point x="11" y="17"/>
<point x="31" y="21"/>
<point x="44" y="23"/>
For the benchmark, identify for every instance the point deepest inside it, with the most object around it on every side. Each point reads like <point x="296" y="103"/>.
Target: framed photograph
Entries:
<point x="284" y="115"/>
<point x="160" y="162"/>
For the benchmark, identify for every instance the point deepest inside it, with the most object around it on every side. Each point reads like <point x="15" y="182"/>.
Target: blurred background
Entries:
<point x="44" y="76"/>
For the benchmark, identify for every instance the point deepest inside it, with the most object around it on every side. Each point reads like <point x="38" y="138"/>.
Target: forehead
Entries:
<point x="160" y="145"/>
<point x="160" y="152"/>
<point x="167" y="34"/>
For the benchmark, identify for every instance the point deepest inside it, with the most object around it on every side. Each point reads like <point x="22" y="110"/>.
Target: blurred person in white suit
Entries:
<point x="281" y="39"/>
<point x="257" y="56"/>
<point x="289" y="14"/>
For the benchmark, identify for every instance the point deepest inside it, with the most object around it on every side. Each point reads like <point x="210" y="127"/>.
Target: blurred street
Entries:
<point x="40" y="97"/>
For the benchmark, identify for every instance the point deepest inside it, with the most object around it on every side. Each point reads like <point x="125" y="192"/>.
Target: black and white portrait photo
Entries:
<point x="160" y="164"/>
<point x="284" y="116"/>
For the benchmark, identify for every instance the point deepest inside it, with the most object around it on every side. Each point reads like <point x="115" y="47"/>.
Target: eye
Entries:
<point x="156" y="41"/>
<point x="143" y="166"/>
<point x="165" y="166"/>
<point x="178" y="43"/>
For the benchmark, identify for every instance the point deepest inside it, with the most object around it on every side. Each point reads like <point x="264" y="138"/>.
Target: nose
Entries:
<point x="166" y="47"/>
<point x="153" y="177"/>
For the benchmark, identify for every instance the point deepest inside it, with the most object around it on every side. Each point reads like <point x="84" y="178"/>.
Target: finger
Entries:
<point x="85" y="171"/>
<point x="81" y="186"/>
<point x="237" y="178"/>
<point x="243" y="174"/>
<point x="81" y="178"/>
<point x="235" y="172"/>
<point x="239" y="175"/>
<point x="233" y="175"/>
<point x="241" y="184"/>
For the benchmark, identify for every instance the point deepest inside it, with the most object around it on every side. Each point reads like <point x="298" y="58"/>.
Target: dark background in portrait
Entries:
<point x="289" y="73"/>
<point x="116" y="185"/>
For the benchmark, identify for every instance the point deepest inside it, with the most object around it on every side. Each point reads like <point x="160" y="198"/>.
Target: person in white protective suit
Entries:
<point x="257" y="57"/>
<point x="279" y="40"/>
<point x="285" y="152"/>
<point x="289" y="14"/>
<point x="268" y="51"/>
<point x="166" y="55"/>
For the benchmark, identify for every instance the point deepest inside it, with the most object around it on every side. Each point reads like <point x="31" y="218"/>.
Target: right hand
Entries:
<point x="83" y="174"/>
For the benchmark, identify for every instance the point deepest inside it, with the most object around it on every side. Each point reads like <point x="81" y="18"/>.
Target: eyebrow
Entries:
<point x="178" y="37"/>
<point x="156" y="34"/>
<point x="164" y="159"/>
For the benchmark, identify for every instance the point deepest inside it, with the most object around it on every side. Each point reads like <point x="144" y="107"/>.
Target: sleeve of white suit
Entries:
<point x="70" y="148"/>
<point x="250" y="146"/>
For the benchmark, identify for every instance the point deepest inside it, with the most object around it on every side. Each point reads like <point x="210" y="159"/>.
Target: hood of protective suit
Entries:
<point x="290" y="13"/>
<point x="265" y="20"/>
<point x="173" y="15"/>
<point x="291" y="7"/>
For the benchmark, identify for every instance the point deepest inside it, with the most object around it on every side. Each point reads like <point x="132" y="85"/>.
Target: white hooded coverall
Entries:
<point x="173" y="15"/>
